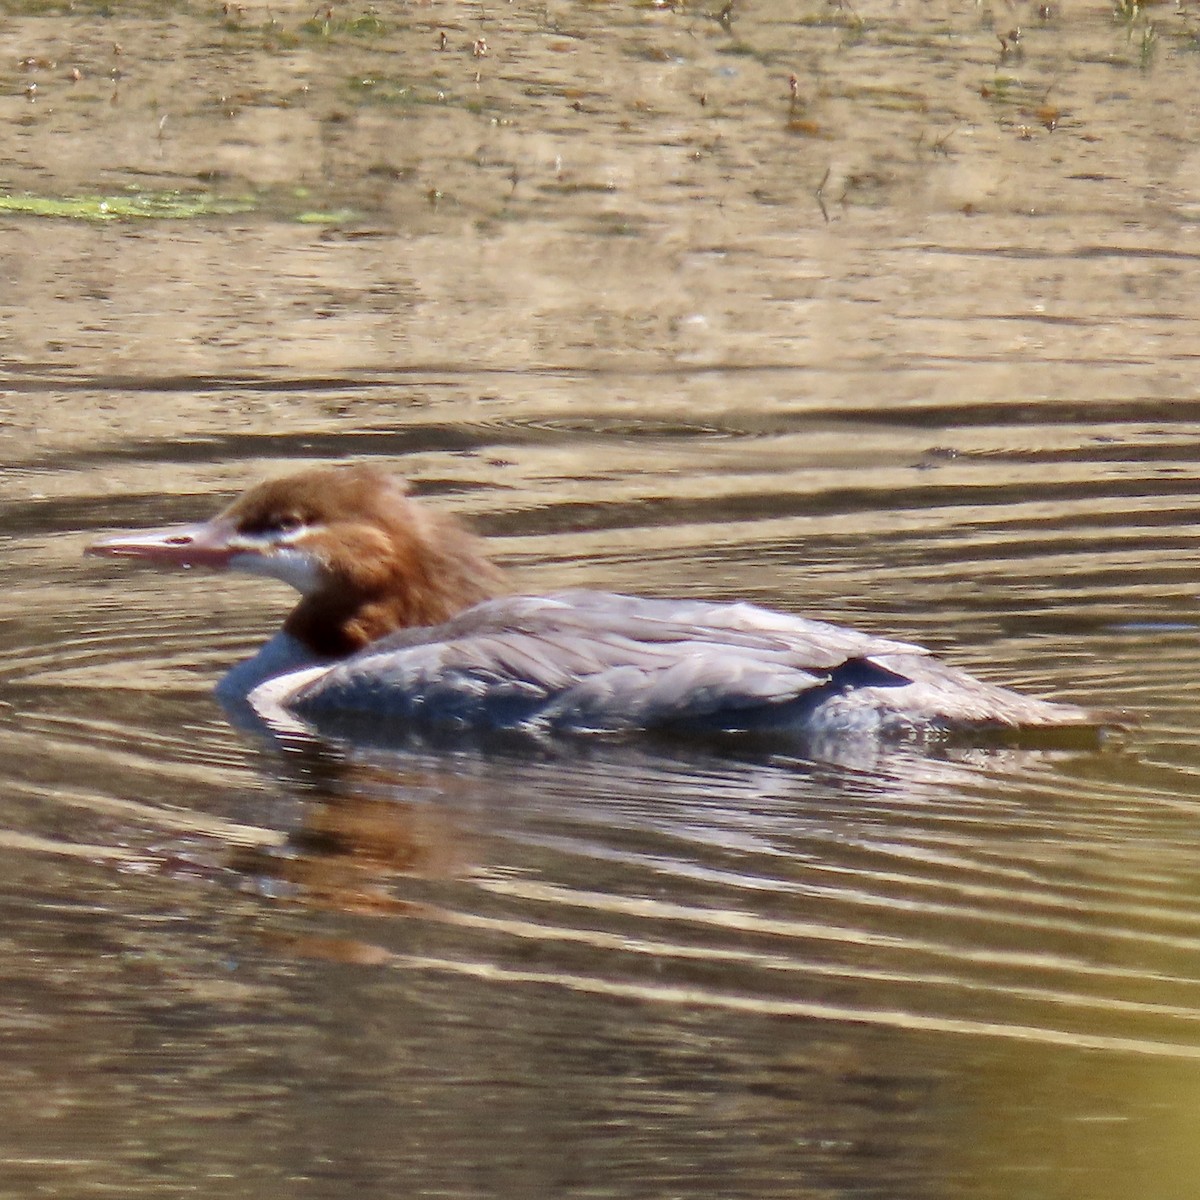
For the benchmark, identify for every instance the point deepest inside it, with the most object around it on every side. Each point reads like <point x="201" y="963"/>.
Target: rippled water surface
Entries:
<point x="882" y="312"/>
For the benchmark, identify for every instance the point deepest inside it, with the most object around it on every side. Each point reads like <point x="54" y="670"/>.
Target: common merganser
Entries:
<point x="402" y="616"/>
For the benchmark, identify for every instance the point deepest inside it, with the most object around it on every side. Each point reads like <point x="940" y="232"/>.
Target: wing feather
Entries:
<point x="599" y="661"/>
<point x="588" y="660"/>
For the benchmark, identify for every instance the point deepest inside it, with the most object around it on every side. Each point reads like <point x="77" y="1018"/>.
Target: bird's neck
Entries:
<point x="379" y="581"/>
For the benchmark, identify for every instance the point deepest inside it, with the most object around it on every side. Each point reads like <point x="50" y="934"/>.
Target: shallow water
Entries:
<point x="913" y="350"/>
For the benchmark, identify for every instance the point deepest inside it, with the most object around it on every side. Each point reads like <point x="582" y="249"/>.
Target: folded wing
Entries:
<point x="599" y="661"/>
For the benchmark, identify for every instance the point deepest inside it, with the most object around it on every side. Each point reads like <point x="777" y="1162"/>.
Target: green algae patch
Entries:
<point x="393" y="93"/>
<point x="368" y="24"/>
<point x="341" y="216"/>
<point x="159" y="206"/>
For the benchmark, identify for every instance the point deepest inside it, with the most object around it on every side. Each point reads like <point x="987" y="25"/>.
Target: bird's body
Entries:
<point x="404" y="619"/>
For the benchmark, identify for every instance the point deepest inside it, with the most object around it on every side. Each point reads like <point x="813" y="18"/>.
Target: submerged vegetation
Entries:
<point x="325" y="23"/>
<point x="169" y="206"/>
<point x="159" y="206"/>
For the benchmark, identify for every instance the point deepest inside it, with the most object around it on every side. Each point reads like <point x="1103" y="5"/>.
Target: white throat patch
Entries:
<point x="286" y="563"/>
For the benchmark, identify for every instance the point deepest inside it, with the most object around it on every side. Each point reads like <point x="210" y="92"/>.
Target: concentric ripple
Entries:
<point x="1041" y="897"/>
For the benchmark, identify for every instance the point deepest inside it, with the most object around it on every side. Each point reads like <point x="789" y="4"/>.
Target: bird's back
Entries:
<point x="597" y="661"/>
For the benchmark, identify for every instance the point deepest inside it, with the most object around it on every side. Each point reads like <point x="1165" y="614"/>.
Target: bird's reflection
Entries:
<point x="380" y="807"/>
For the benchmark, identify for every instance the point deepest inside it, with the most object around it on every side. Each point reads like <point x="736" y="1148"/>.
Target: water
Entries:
<point x="897" y="353"/>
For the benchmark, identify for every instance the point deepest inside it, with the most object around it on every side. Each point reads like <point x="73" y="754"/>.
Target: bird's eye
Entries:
<point x="273" y="526"/>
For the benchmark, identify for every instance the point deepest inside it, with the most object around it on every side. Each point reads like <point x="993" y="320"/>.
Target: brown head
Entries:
<point x="367" y="558"/>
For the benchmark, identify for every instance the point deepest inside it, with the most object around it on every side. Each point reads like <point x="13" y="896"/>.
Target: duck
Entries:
<point x="404" y="618"/>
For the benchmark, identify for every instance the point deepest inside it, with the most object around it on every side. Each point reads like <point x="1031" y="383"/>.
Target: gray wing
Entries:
<point x="593" y="660"/>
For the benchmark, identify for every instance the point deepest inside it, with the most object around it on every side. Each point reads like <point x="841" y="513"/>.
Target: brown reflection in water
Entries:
<point x="354" y="844"/>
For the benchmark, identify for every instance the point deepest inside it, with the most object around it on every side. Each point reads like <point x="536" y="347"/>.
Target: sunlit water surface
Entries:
<point x="913" y="349"/>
